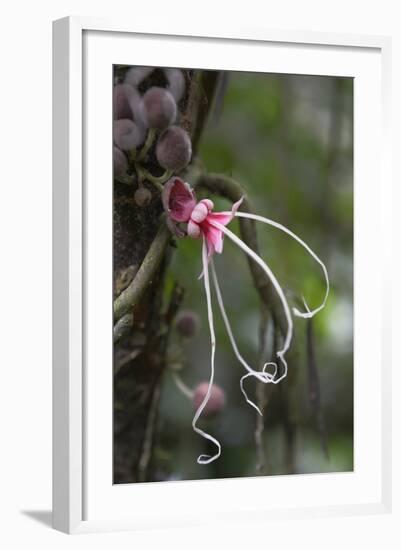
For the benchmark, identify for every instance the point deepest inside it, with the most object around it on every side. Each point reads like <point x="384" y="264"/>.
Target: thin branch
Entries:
<point x="208" y="86"/>
<point x="176" y="298"/>
<point x="289" y="411"/>
<point x="188" y="121"/>
<point x="290" y="439"/>
<point x="314" y="387"/>
<point x="261" y="394"/>
<point x="134" y="292"/>
<point x="148" y="440"/>
<point x="123" y="326"/>
<point x="127" y="359"/>
<point x="200" y="98"/>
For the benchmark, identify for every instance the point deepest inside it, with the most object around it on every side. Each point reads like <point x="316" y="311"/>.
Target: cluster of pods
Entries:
<point x="148" y="118"/>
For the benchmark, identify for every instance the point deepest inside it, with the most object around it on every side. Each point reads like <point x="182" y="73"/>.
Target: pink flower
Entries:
<point x="180" y="204"/>
<point x="178" y="201"/>
<point x="201" y="224"/>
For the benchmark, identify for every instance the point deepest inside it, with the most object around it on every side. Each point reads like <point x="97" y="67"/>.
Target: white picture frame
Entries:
<point x="77" y="480"/>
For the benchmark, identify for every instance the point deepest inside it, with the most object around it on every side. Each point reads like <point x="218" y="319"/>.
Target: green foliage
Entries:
<point x="275" y="135"/>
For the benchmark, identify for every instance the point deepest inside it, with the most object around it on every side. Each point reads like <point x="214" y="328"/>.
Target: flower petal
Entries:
<point x="200" y="212"/>
<point x="225" y="217"/>
<point x="236" y="205"/>
<point x="214" y="238"/>
<point x="178" y="199"/>
<point x="193" y="229"/>
<point x="208" y="203"/>
<point x="222" y="217"/>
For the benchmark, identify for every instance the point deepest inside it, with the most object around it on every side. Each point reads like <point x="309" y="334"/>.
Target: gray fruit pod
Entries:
<point x="174" y="149"/>
<point x="159" y="108"/>
<point x="127" y="135"/>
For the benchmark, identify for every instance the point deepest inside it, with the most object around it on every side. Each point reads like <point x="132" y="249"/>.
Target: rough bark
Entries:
<point x="139" y="350"/>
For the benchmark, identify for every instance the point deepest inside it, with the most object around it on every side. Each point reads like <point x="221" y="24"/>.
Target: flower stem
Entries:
<point x="147" y="145"/>
<point x="184" y="389"/>
<point x="157" y="181"/>
<point x="132" y="155"/>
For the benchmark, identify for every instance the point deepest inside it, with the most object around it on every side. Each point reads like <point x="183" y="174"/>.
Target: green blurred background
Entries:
<point x="288" y="140"/>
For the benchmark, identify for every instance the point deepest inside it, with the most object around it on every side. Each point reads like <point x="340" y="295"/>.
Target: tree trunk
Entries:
<point x="140" y="354"/>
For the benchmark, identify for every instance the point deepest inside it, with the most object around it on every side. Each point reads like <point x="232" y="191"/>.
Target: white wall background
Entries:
<point x="25" y="221"/>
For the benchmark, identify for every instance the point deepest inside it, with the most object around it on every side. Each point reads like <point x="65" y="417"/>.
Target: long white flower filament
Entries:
<point x="262" y="376"/>
<point x="272" y="278"/>
<point x="206" y="459"/>
<point x="308" y="314"/>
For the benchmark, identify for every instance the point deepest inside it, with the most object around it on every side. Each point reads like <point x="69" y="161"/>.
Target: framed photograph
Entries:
<point x="220" y="349"/>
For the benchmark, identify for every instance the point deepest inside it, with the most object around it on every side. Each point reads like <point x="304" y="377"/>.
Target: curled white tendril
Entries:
<point x="264" y="376"/>
<point x="308" y="314"/>
<point x="206" y="459"/>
